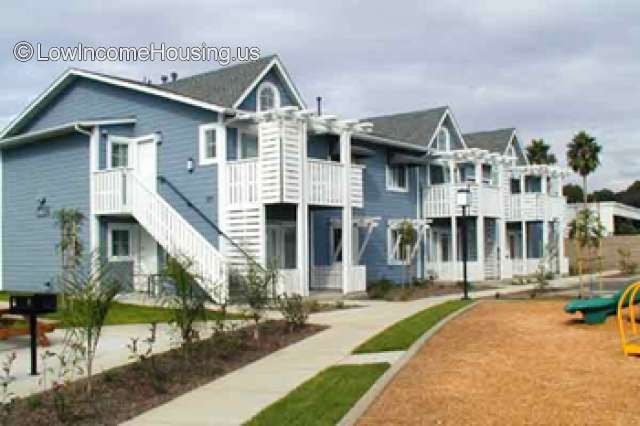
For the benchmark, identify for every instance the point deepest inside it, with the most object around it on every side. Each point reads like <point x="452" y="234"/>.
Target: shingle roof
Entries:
<point x="415" y="127"/>
<point x="223" y="86"/>
<point x="491" y="140"/>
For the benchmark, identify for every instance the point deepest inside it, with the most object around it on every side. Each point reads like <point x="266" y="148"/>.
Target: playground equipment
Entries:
<point x="595" y="310"/>
<point x="631" y="344"/>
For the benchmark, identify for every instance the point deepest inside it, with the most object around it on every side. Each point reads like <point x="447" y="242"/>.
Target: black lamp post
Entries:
<point x="463" y="200"/>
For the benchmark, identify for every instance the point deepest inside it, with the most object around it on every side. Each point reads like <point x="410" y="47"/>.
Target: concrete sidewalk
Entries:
<point x="238" y="396"/>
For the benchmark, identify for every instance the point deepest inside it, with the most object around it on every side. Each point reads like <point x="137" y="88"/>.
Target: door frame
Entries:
<point x="133" y="143"/>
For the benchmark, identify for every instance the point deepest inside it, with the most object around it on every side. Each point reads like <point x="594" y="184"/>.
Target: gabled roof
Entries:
<point x="492" y="140"/>
<point x="229" y="86"/>
<point x="417" y="127"/>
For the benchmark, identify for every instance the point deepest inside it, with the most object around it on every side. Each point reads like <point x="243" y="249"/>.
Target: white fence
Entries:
<point x="243" y="182"/>
<point x="534" y="206"/>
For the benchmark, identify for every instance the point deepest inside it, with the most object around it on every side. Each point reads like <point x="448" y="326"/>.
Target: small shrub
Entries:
<point x="340" y="304"/>
<point x="313" y="306"/>
<point x="7" y="397"/>
<point x="146" y="360"/>
<point x="379" y="289"/>
<point x="34" y="402"/>
<point x="257" y="285"/>
<point x="627" y="266"/>
<point x="294" y="310"/>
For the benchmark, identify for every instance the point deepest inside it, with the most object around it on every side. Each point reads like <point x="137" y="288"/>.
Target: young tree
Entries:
<point x="89" y="291"/>
<point x="69" y="222"/>
<point x="538" y="153"/>
<point x="583" y="156"/>
<point x="257" y="285"/>
<point x="408" y="237"/>
<point x="185" y="298"/>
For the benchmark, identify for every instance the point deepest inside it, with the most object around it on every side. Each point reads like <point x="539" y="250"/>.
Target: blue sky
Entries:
<point x="549" y="68"/>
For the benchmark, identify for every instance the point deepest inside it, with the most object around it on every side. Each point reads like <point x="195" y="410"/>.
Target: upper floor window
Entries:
<point x="211" y="135"/>
<point x="515" y="186"/>
<point x="398" y="178"/>
<point x="247" y="146"/>
<point x="442" y="139"/>
<point x="268" y="97"/>
<point x="119" y="156"/>
<point x="532" y="184"/>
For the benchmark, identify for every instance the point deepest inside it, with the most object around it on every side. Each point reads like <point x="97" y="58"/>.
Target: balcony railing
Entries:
<point x="324" y="183"/>
<point x="534" y="206"/>
<point x="440" y="200"/>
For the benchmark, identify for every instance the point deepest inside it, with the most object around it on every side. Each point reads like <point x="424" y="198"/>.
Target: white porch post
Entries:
<point x="501" y="223"/>
<point x="347" y="212"/>
<point x="302" y="219"/>
<point x="94" y="165"/>
<point x="480" y="242"/>
<point x="525" y="270"/>
<point x="453" y="259"/>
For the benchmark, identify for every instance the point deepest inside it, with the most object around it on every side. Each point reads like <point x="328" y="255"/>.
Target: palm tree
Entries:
<point x="583" y="156"/>
<point x="538" y="153"/>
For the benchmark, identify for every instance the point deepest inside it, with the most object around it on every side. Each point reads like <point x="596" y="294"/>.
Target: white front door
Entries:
<point x="145" y="161"/>
<point x="146" y="260"/>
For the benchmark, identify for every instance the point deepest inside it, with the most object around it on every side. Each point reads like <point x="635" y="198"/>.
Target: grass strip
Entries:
<point x="324" y="399"/>
<point x="401" y="335"/>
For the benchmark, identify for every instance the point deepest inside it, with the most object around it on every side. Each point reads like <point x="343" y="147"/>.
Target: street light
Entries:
<point x="463" y="200"/>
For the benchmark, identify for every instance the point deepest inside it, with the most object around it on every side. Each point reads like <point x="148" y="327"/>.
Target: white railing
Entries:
<point x="330" y="278"/>
<point x="243" y="182"/>
<point x="452" y="271"/>
<point x="535" y="206"/>
<point x="439" y="200"/>
<point x="121" y="189"/>
<point x="324" y="183"/>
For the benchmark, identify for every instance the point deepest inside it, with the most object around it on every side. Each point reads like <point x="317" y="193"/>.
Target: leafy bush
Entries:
<point x="627" y="266"/>
<point x="184" y="297"/>
<point x="379" y="289"/>
<point x="294" y="310"/>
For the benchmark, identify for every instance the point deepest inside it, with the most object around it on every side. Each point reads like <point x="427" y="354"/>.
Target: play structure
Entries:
<point x="629" y="338"/>
<point x="595" y="310"/>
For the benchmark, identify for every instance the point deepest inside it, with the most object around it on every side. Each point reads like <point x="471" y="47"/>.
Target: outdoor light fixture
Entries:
<point x="190" y="165"/>
<point x="463" y="199"/>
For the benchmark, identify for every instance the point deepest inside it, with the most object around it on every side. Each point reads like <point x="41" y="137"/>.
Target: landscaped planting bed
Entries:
<point x="124" y="392"/>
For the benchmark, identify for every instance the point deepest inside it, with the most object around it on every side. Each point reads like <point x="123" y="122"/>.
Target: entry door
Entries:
<point x="145" y="162"/>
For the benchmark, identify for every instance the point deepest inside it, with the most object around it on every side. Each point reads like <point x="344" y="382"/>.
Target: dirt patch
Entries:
<point x="124" y="392"/>
<point x="515" y="362"/>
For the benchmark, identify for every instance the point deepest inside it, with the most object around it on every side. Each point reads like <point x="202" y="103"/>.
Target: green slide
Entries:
<point x="596" y="309"/>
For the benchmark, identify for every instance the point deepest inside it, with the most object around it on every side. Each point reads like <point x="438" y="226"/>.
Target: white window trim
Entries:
<point x="333" y="254"/>
<point x="220" y="139"/>
<point x="131" y="228"/>
<point x="393" y="188"/>
<point x="120" y="140"/>
<point x="276" y="95"/>
<point x="393" y="225"/>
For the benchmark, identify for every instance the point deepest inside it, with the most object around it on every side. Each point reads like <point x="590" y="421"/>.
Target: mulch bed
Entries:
<point x="513" y="363"/>
<point x="413" y="293"/>
<point x="125" y="392"/>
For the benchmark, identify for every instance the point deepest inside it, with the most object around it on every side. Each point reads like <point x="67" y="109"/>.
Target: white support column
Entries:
<point x="347" y="211"/>
<point x="94" y="166"/>
<point x="501" y="223"/>
<point x="453" y="259"/>
<point x="419" y="215"/>
<point x="1" y="224"/>
<point x="525" y="271"/>
<point x="480" y="240"/>
<point x="302" y="218"/>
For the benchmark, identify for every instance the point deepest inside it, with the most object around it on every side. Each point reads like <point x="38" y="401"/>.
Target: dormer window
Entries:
<point x="268" y="97"/>
<point x="442" y="139"/>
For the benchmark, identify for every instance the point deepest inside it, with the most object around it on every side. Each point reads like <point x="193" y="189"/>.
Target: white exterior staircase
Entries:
<point x="121" y="191"/>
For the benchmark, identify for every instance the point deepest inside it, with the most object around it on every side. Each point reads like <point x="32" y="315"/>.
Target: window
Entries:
<point x="442" y="140"/>
<point x="397" y="251"/>
<point x="210" y="136"/>
<point x="515" y="186"/>
<point x="281" y="245"/>
<point x="532" y="184"/>
<point x="398" y="178"/>
<point x="268" y="97"/>
<point x="467" y="172"/>
<point x="439" y="174"/>
<point x="119" y="156"/>
<point x="248" y="146"/>
<point x="120" y="242"/>
<point x="336" y="243"/>
<point x="534" y="240"/>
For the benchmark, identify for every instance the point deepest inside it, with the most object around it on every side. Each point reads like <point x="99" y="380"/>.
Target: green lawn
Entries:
<point x="324" y="399"/>
<point x="402" y="334"/>
<point x="125" y="313"/>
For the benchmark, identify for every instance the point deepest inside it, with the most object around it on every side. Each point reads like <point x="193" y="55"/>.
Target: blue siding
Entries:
<point x="378" y="202"/>
<point x="273" y="76"/>
<point x="178" y="123"/>
<point x="57" y="169"/>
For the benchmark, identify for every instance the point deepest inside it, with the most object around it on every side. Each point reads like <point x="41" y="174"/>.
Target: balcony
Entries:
<point x="440" y="200"/>
<point x="255" y="181"/>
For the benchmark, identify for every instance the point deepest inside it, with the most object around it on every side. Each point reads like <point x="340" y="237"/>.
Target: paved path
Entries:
<point x="238" y="396"/>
